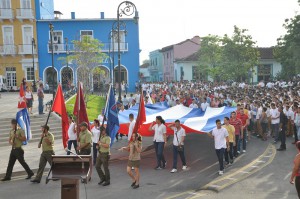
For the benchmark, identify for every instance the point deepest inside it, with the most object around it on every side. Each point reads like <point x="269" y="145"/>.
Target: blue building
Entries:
<point x="67" y="30"/>
<point x="156" y="66"/>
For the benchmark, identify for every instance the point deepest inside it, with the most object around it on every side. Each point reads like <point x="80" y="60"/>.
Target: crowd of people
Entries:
<point x="269" y="111"/>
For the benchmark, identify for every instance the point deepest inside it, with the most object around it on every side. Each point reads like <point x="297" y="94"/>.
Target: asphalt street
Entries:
<point x="266" y="178"/>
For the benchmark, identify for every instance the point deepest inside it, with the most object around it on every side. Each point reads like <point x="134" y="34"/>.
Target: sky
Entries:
<point x="166" y="22"/>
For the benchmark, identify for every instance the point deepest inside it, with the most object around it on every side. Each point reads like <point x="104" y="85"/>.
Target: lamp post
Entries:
<point x="67" y="53"/>
<point x="32" y="48"/>
<point x="126" y="8"/>
<point x="52" y="56"/>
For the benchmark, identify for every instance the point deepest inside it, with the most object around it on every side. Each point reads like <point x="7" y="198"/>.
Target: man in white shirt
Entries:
<point x="275" y="119"/>
<point x="193" y="104"/>
<point x="220" y="136"/>
<point x="131" y="126"/>
<point x="204" y="104"/>
<point x="178" y="145"/>
<point x="125" y="102"/>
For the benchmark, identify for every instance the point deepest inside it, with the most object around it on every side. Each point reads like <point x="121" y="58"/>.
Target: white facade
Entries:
<point x="276" y="67"/>
<point x="186" y="67"/>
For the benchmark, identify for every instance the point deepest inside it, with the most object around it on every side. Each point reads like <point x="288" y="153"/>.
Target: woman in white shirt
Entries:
<point x="29" y="99"/>
<point x="96" y="134"/>
<point x="72" y="135"/>
<point x="160" y="139"/>
<point x="297" y="121"/>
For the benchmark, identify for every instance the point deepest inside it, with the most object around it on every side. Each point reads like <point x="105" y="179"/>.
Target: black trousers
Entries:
<point x="17" y="154"/>
<point x="282" y="138"/>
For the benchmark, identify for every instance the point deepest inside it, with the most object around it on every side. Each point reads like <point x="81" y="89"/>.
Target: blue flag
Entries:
<point x="23" y="121"/>
<point x="112" y="126"/>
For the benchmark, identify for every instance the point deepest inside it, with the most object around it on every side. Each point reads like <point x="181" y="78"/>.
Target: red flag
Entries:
<point x="141" y="118"/>
<point x="22" y="99"/>
<point x="80" y="109"/>
<point x="60" y="108"/>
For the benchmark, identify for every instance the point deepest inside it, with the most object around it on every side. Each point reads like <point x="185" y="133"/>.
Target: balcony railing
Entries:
<point x="6" y="13"/>
<point x="26" y="49"/>
<point x="61" y="48"/>
<point x="8" y="49"/>
<point x="25" y="13"/>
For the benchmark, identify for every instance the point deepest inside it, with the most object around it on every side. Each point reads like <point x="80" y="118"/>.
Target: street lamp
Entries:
<point x="114" y="36"/>
<point x="125" y="8"/>
<point x="52" y="56"/>
<point x="32" y="48"/>
<point x="67" y="53"/>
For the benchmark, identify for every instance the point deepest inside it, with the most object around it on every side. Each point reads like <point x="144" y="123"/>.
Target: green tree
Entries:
<point x="287" y="50"/>
<point x="210" y="57"/>
<point x="86" y="56"/>
<point x="239" y="54"/>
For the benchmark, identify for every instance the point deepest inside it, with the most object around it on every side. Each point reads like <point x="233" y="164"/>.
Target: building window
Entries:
<point x="29" y="73"/>
<point x="264" y="72"/>
<point x="25" y="4"/>
<point x="5" y="4"/>
<point x="57" y="37"/>
<point x="88" y="33"/>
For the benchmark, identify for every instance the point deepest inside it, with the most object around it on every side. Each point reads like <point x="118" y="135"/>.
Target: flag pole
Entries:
<point x="106" y="104"/>
<point x="78" y="108"/>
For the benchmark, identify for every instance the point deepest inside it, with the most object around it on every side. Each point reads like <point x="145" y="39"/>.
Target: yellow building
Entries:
<point x="17" y="38"/>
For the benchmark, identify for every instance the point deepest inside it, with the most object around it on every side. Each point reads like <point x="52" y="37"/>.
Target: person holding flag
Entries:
<point x="47" y="144"/>
<point x="85" y="140"/>
<point x="16" y="137"/>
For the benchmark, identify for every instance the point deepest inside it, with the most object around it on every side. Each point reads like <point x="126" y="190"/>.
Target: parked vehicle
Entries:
<point x="3" y="84"/>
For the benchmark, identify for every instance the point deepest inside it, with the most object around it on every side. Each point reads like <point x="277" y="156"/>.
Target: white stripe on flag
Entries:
<point x="198" y="123"/>
<point x="174" y="113"/>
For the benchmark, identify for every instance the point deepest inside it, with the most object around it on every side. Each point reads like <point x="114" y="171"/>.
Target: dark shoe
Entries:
<point x="106" y="184"/>
<point x="136" y="186"/>
<point x="164" y="165"/>
<point x="281" y="149"/>
<point x="35" y="181"/>
<point x="29" y="176"/>
<point x="133" y="184"/>
<point x="101" y="182"/>
<point x="6" y="179"/>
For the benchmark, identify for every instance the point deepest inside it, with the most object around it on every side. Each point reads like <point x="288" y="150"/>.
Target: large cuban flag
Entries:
<point x="23" y="121"/>
<point x="193" y="120"/>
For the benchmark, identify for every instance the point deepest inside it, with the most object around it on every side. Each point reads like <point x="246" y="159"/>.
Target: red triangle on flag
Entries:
<point x="22" y="99"/>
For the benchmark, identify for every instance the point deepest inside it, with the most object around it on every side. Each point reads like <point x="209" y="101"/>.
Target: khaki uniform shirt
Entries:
<point x="105" y="139"/>
<point x="45" y="146"/>
<point x="20" y="133"/>
<point x="134" y="154"/>
<point x="85" y="137"/>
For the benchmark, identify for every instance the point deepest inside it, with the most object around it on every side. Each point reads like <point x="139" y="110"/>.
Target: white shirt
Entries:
<point x="193" y="105"/>
<point x="100" y="118"/>
<point x="204" y="106"/>
<point x="275" y="114"/>
<point x="71" y="132"/>
<point x="178" y="134"/>
<point x="125" y="101"/>
<point x="220" y="136"/>
<point x="28" y="95"/>
<point x="96" y="133"/>
<point x="130" y="129"/>
<point x="159" y="132"/>
<point x="259" y="112"/>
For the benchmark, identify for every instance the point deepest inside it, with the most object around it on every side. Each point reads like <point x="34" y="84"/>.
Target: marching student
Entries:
<point x="16" y="137"/>
<point x="47" y="145"/>
<point x="220" y="136"/>
<point x="178" y="145"/>
<point x="134" y="148"/>
<point x="160" y="140"/>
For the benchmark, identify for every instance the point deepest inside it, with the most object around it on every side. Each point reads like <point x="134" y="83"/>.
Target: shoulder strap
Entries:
<point x="177" y="137"/>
